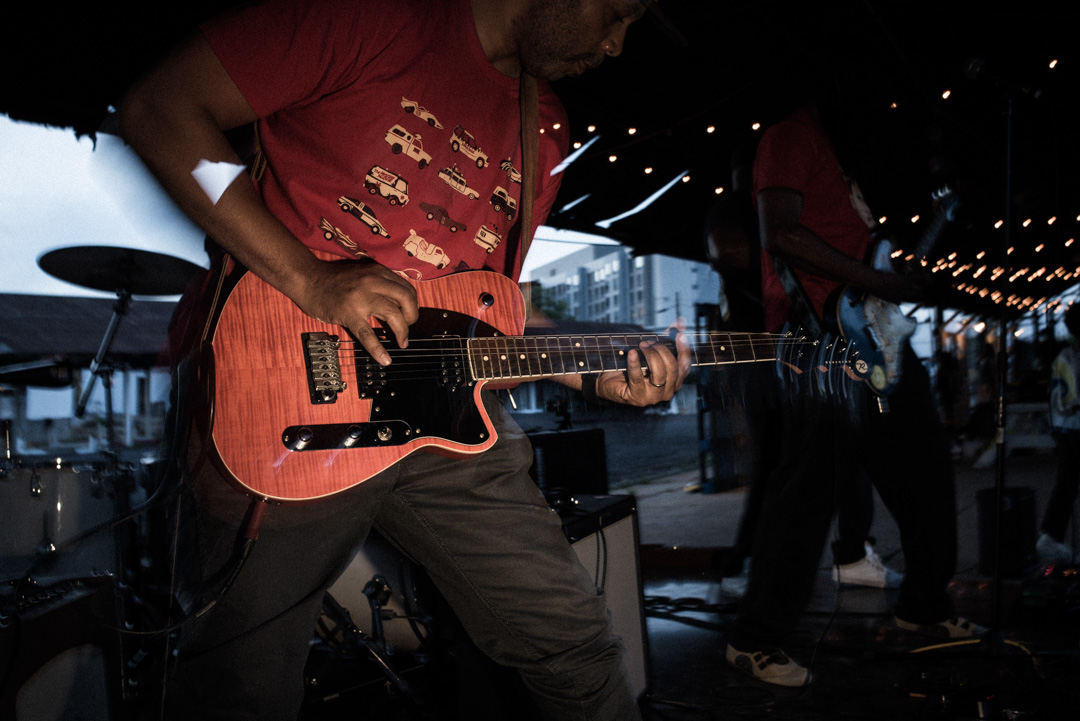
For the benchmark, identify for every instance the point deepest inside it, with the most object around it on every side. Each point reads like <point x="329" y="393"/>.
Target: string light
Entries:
<point x="1053" y="64"/>
<point x="718" y="191"/>
<point x="592" y="128"/>
<point x="1051" y="221"/>
<point x="756" y="126"/>
<point x="612" y="158"/>
<point x="881" y="220"/>
<point x="945" y="95"/>
<point x="711" y="129"/>
<point x="632" y="131"/>
<point x="1027" y="222"/>
<point x="980" y="255"/>
<point x="648" y="171"/>
<point x="577" y="145"/>
<point x="556" y="126"/>
<point x="894" y="106"/>
<point x="686" y="179"/>
<point x="915" y="219"/>
<point x="1039" y="247"/>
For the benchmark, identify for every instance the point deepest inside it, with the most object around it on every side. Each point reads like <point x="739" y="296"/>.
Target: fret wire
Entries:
<point x="528" y="352"/>
<point x="545" y="356"/>
<point x="504" y="358"/>
<point x="566" y="355"/>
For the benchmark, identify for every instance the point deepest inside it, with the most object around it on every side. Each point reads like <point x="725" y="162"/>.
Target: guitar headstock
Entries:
<point x="824" y="368"/>
<point x="946" y="202"/>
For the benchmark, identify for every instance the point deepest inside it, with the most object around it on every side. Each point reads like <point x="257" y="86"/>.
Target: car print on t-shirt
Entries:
<point x="416" y="246"/>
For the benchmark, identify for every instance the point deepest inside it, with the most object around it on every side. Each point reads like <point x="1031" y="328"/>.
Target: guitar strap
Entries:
<point x="530" y="151"/>
<point x="529" y="106"/>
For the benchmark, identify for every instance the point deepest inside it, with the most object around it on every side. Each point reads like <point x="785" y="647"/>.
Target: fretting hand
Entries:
<point x="666" y="372"/>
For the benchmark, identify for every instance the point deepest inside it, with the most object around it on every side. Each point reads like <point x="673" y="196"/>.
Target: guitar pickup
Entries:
<point x="323" y="367"/>
<point x="336" y="436"/>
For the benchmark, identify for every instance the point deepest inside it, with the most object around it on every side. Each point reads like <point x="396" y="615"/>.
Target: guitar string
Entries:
<point x="591" y="342"/>
<point x="434" y="348"/>
<point x="418" y="356"/>
<point x="412" y="363"/>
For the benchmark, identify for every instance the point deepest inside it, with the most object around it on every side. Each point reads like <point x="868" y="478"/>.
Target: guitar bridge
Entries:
<point x="323" y="367"/>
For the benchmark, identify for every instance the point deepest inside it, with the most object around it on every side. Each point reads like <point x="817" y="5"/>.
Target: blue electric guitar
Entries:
<point x="876" y="328"/>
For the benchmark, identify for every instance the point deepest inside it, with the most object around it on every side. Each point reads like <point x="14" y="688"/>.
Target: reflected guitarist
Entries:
<point x="814" y="222"/>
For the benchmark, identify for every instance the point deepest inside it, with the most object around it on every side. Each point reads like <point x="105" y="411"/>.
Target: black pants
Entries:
<point x="818" y="446"/>
<point x="1060" y="506"/>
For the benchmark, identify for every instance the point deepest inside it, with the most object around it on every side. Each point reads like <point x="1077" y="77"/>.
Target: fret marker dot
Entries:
<point x="543" y="355"/>
<point x="622" y="352"/>
<point x="487" y="358"/>
<point x="502" y="357"/>
<point x="577" y="345"/>
<point x="522" y="356"/>
<point x="581" y="363"/>
<point x="723" y="348"/>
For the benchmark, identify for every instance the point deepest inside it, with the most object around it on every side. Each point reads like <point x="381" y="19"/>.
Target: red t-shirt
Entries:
<point x="385" y="130"/>
<point x="795" y="154"/>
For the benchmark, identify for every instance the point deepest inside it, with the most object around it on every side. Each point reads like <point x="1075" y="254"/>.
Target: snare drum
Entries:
<point x="46" y="504"/>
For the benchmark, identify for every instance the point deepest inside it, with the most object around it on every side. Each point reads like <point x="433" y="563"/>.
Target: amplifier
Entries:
<point x="603" y="531"/>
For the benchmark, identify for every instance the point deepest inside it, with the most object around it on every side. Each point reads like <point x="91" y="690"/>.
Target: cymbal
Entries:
<point x="114" y="269"/>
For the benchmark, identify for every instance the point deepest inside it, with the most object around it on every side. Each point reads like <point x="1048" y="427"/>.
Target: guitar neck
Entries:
<point x="512" y="358"/>
<point x="930" y="237"/>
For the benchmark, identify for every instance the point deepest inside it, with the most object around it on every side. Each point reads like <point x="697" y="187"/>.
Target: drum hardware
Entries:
<point x="353" y="637"/>
<point x="378" y="593"/>
<point x="126" y="272"/>
<point x="5" y="462"/>
<point x="45" y="373"/>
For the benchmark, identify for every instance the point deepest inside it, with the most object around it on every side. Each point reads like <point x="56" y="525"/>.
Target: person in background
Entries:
<point x="1065" y="426"/>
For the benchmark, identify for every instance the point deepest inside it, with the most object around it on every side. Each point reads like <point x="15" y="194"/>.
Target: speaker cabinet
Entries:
<point x="59" y="657"/>
<point x="603" y="531"/>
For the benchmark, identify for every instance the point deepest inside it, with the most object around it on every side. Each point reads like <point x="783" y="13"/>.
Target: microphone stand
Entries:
<point x="995" y="637"/>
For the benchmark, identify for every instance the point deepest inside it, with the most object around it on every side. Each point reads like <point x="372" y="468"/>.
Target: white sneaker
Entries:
<point x="1051" y="551"/>
<point x="773" y="666"/>
<point x="870" y="571"/>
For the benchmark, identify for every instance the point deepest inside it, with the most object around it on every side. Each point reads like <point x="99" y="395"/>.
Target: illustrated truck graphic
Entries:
<point x="503" y="203"/>
<point x="463" y="142"/>
<point x="402" y="141"/>
<point x="416" y="246"/>
<point x="389" y="185"/>
<point x="487" y="238"/>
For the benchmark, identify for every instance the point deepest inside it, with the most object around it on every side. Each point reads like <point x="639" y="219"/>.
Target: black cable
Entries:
<point x="600" y="575"/>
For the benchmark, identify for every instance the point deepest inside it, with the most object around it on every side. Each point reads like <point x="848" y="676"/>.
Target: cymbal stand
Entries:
<point x="97" y="368"/>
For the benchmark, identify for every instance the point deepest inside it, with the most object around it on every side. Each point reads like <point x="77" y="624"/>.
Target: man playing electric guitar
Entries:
<point x="341" y="92"/>
<point x="809" y="221"/>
